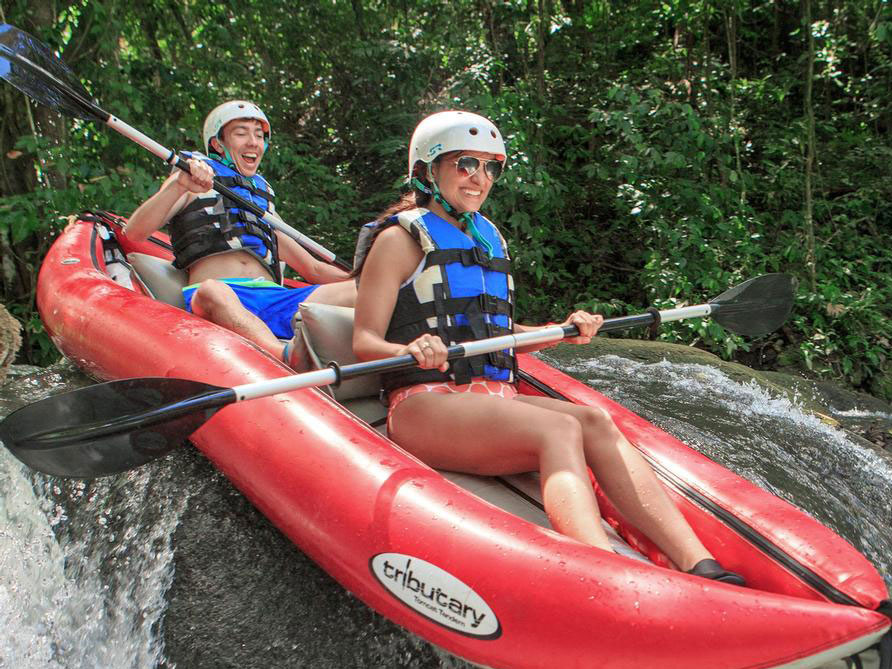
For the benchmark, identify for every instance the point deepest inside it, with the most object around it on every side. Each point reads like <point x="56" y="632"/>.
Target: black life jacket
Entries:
<point x="212" y="224"/>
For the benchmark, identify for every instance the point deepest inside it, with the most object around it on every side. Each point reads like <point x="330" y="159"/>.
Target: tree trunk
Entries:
<point x="731" y="21"/>
<point x="540" y="50"/>
<point x="810" y="150"/>
<point x="22" y="241"/>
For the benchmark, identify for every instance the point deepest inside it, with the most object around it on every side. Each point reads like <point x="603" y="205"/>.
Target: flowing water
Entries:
<point x="84" y="566"/>
<point x="168" y="566"/>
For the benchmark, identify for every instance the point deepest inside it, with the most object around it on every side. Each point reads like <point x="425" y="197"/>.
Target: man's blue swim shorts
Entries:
<point x="275" y="305"/>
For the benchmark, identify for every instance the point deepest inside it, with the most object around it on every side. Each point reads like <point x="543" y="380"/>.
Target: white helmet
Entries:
<point x="230" y="111"/>
<point x="453" y="131"/>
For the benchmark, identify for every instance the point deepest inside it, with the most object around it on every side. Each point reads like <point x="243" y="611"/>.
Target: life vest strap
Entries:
<point x="450" y="306"/>
<point x="193" y="226"/>
<point x="468" y="257"/>
<point x="238" y="181"/>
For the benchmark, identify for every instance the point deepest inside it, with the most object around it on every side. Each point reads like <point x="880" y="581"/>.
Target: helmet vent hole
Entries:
<point x="493" y="133"/>
<point x="473" y="131"/>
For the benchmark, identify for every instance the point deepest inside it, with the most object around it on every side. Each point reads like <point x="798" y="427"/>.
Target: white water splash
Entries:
<point x="861" y="413"/>
<point x="84" y="567"/>
<point x="32" y="581"/>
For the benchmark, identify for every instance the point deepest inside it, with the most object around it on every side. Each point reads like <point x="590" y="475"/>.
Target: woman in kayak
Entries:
<point x="438" y="273"/>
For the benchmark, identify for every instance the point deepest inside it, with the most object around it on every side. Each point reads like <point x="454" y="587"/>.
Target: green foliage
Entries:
<point x="657" y="148"/>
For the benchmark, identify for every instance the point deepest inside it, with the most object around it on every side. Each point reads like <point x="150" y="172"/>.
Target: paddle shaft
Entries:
<point x="94" y="112"/>
<point x="335" y="374"/>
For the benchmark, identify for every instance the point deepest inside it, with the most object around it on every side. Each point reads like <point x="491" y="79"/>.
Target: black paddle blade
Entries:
<point x="111" y="427"/>
<point x="30" y="65"/>
<point x="755" y="307"/>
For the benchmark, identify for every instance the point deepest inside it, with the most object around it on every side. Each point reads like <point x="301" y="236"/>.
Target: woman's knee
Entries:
<point x="595" y="420"/>
<point x="561" y="433"/>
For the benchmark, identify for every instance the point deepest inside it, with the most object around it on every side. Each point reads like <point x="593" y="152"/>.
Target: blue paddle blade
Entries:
<point x="29" y="65"/>
<point x="110" y="427"/>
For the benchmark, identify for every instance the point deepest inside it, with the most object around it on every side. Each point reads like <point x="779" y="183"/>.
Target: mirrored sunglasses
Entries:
<point x="469" y="166"/>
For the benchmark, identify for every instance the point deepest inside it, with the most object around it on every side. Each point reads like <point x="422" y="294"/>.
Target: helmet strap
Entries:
<point x="420" y="185"/>
<point x="465" y="218"/>
<point x="226" y="158"/>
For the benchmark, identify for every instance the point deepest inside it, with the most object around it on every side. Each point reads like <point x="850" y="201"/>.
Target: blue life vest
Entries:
<point x="212" y="224"/>
<point x="461" y="294"/>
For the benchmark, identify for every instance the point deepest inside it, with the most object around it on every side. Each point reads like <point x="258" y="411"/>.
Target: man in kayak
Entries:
<point x="438" y="273"/>
<point x="232" y="257"/>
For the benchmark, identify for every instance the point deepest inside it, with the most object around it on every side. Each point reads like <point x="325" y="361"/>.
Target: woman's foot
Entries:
<point x="712" y="570"/>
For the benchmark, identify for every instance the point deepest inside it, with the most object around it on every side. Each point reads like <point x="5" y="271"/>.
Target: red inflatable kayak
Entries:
<point x="469" y="563"/>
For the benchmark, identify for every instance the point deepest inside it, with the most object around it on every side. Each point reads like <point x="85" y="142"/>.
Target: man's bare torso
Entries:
<point x="232" y="265"/>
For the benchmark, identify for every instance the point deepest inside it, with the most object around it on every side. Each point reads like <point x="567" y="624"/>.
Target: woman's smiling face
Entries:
<point x="464" y="192"/>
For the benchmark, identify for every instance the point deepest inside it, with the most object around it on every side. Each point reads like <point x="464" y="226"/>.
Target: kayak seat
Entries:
<point x="159" y="278"/>
<point x="326" y="334"/>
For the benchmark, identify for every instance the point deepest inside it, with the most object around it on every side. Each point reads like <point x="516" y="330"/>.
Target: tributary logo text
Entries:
<point x="435" y="594"/>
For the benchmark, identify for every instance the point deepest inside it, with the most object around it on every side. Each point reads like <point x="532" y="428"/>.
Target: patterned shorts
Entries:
<point x="501" y="389"/>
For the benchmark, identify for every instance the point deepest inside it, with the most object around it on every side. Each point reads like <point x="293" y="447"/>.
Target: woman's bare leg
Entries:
<point x="630" y="482"/>
<point x="481" y="434"/>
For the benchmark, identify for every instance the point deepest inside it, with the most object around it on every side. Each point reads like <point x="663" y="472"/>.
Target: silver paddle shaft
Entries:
<point x="335" y="374"/>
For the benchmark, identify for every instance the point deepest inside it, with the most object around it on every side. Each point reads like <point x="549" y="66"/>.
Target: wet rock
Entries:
<point x="244" y="597"/>
<point x="10" y="340"/>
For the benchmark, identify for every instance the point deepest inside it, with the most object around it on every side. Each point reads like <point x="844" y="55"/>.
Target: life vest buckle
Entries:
<point x="489" y="304"/>
<point x="474" y="256"/>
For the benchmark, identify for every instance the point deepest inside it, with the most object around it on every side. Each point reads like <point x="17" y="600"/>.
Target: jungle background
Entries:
<point x="660" y="151"/>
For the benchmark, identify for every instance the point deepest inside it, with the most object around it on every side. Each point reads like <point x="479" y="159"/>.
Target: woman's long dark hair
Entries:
<point x="411" y="200"/>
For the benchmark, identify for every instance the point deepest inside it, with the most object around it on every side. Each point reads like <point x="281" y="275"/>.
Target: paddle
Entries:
<point x="115" y="426"/>
<point x="29" y="65"/>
